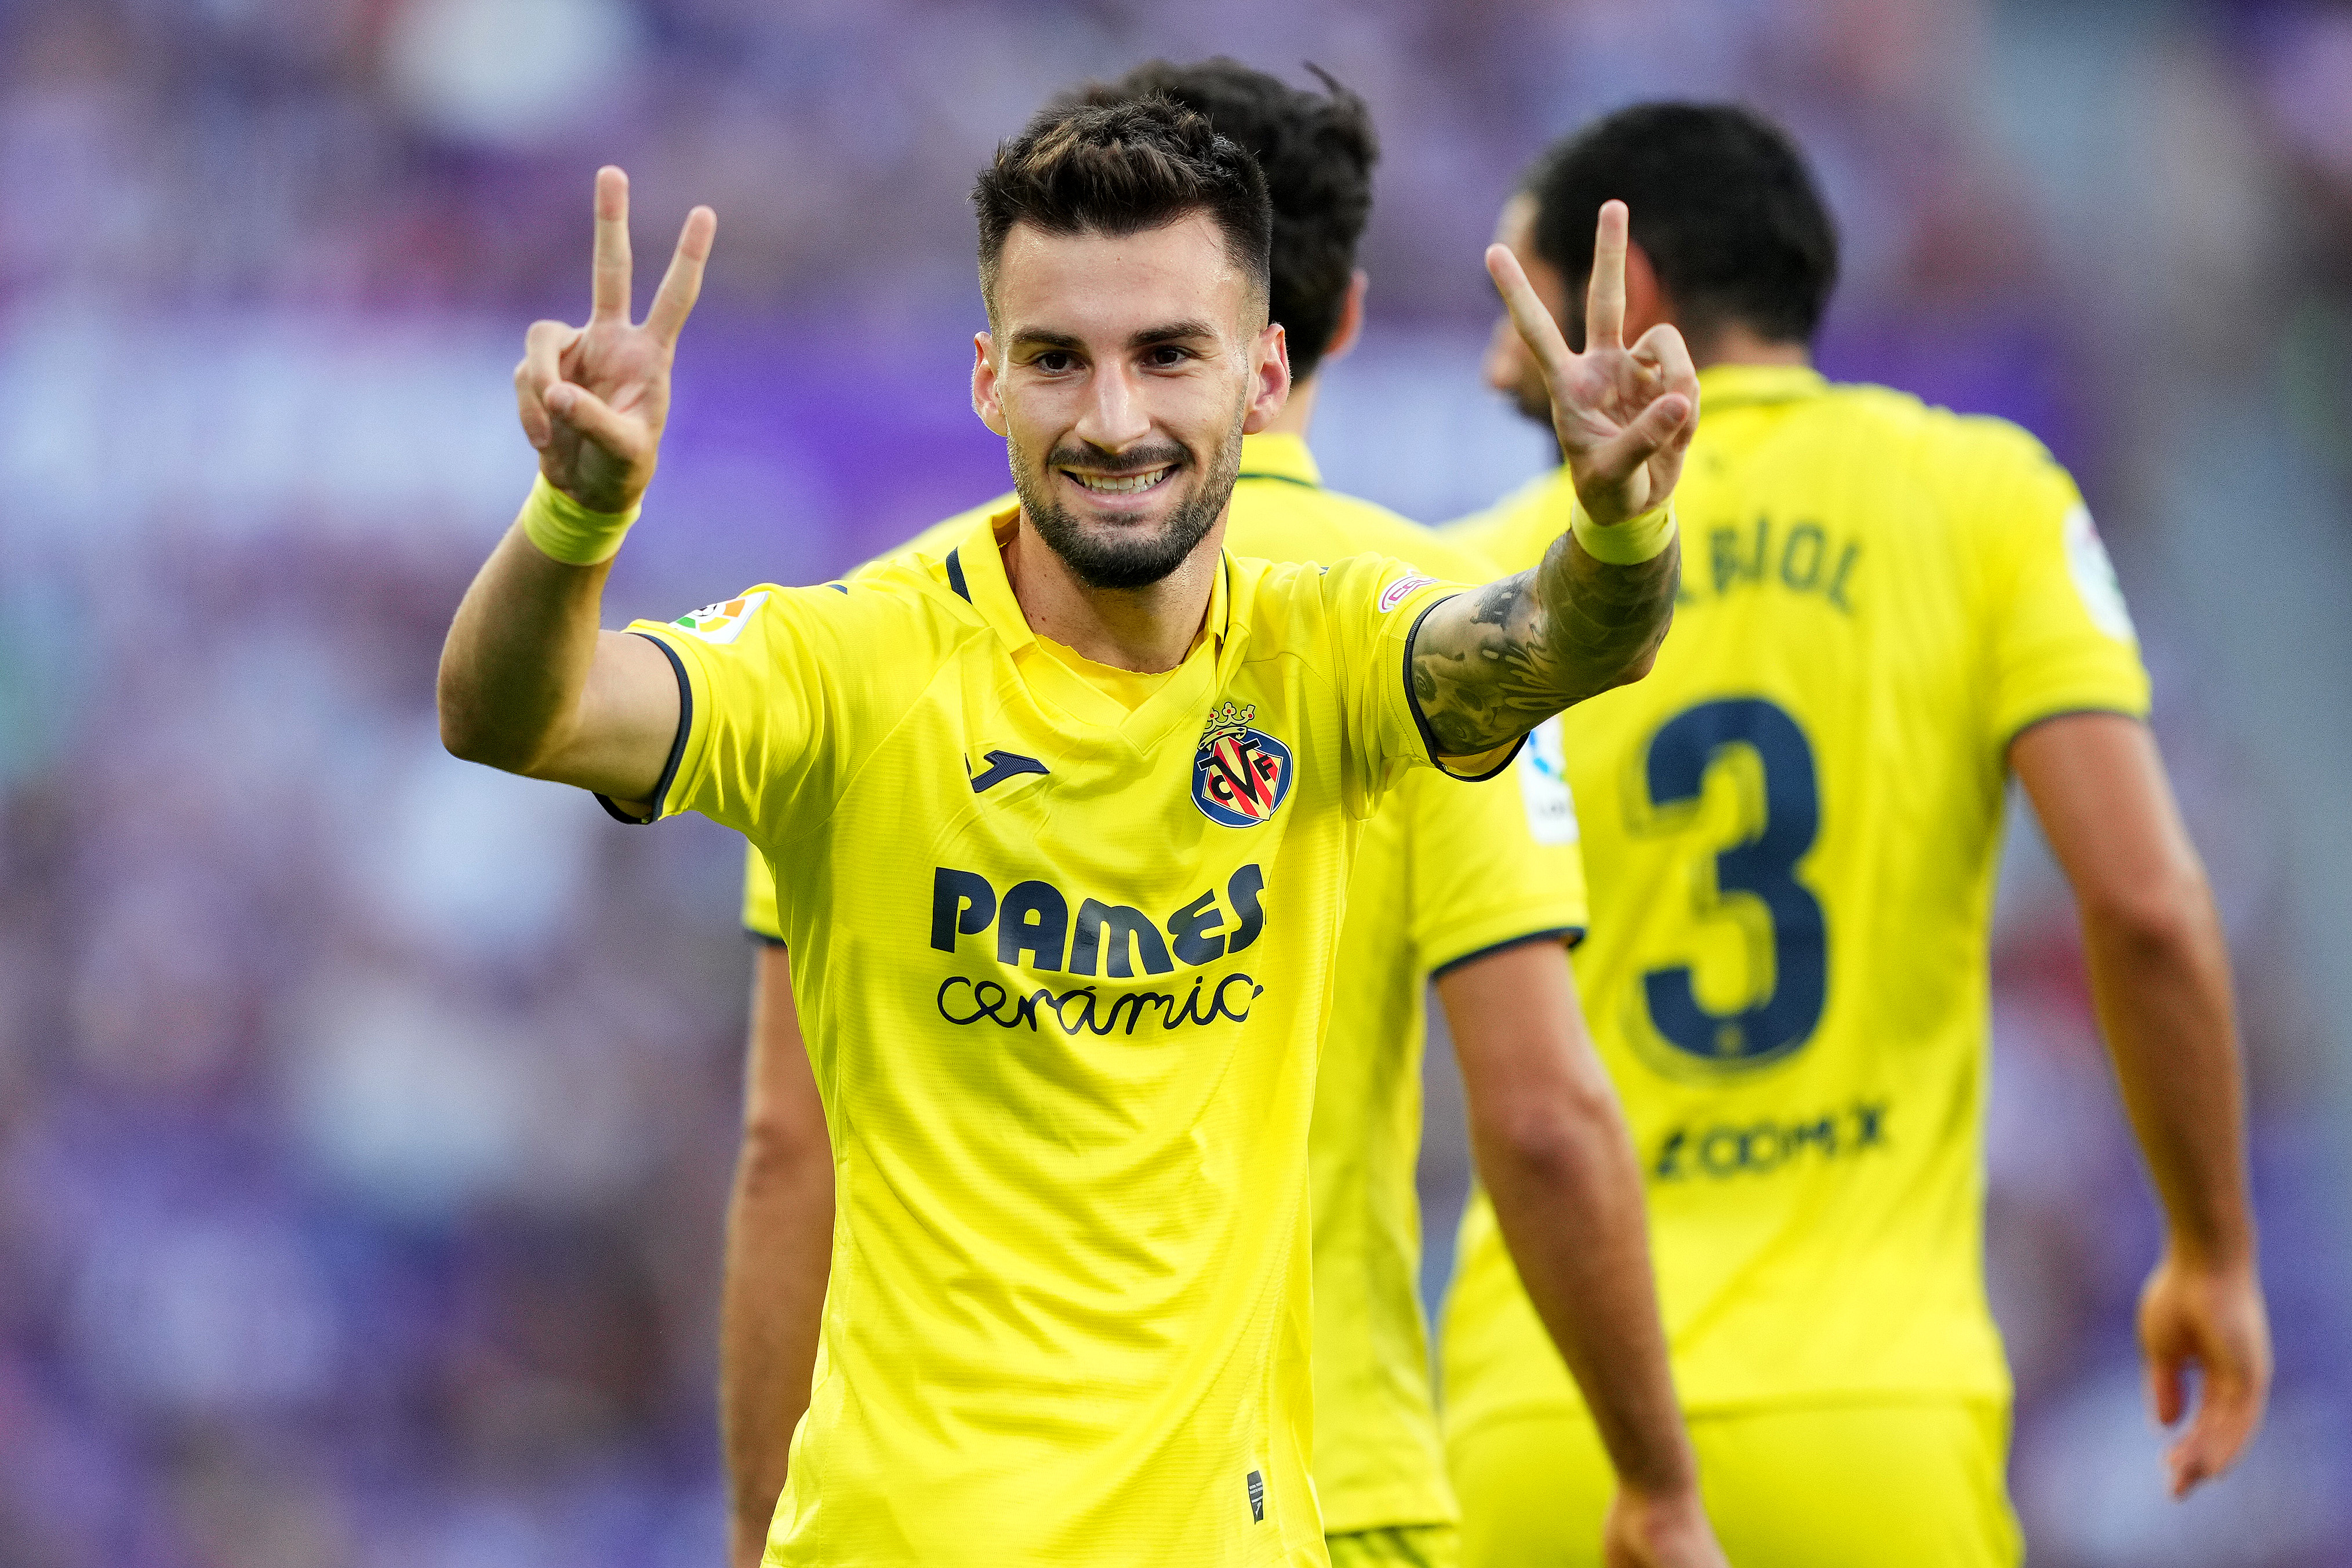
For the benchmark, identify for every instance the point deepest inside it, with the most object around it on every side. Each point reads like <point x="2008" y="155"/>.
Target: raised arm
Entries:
<point x="1489" y="666"/>
<point x="2161" y="978"/>
<point x="528" y="682"/>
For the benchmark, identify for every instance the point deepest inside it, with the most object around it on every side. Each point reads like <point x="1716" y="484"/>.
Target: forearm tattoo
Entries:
<point x="1491" y="664"/>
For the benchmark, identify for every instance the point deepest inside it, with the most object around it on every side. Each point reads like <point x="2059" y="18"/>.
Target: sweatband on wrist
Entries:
<point x="1642" y="537"/>
<point x="564" y="530"/>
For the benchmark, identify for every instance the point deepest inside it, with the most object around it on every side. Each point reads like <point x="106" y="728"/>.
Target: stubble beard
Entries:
<point x="1125" y="556"/>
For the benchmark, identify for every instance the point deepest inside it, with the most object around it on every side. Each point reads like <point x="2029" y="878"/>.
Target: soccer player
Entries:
<point x="1063" y="820"/>
<point x="1790" y="829"/>
<point x="1478" y="886"/>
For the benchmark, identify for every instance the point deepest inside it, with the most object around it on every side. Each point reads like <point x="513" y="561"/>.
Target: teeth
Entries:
<point x="1127" y="485"/>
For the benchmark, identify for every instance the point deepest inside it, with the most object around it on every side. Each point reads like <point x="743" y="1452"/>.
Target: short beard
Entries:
<point x="1126" y="557"/>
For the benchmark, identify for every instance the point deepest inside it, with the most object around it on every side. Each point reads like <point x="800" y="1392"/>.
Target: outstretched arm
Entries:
<point x="1558" y="1166"/>
<point x="1489" y="666"/>
<point x="2161" y="978"/>
<point x="528" y="683"/>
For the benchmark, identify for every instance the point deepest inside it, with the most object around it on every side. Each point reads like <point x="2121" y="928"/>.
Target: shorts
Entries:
<point x="1398" y="1546"/>
<point x="1829" y="1486"/>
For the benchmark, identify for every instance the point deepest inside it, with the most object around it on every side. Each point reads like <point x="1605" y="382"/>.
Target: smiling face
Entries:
<point x="1122" y="371"/>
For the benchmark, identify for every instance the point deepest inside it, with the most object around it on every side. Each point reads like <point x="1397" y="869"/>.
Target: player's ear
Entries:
<point x="1351" y="325"/>
<point x="1270" y="377"/>
<point x="987" y="387"/>
<point x="1647" y="303"/>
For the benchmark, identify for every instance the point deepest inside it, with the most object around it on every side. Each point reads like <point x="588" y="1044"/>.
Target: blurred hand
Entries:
<point x="1644" y="1531"/>
<point x="2212" y="1317"/>
<point x="1624" y="416"/>
<point x="593" y="399"/>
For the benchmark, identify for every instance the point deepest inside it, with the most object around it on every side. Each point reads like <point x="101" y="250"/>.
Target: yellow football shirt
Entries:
<point x="1063" y="968"/>
<point x="1442" y="875"/>
<point x="1790" y="829"/>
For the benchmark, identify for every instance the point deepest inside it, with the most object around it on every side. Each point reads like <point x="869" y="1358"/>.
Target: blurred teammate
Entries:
<point x="1480" y="887"/>
<point x="1063" y="818"/>
<point x="1790" y="830"/>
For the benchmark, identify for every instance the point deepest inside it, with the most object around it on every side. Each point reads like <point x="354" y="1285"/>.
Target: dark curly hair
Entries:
<point x="1721" y="200"/>
<point x="1316" y="148"/>
<point x="1119" y="169"/>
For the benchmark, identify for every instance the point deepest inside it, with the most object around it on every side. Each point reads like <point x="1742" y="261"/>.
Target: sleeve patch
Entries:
<point x="724" y="621"/>
<point x="1543" y="785"/>
<point x="1395" y="593"/>
<point x="2094" y="578"/>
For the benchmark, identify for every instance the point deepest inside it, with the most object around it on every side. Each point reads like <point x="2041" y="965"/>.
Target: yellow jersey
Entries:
<point x="1790" y="829"/>
<point x="1442" y="875"/>
<point x="1063" y="967"/>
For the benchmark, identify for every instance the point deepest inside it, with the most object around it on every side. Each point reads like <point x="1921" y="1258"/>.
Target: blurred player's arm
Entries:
<point x="1559" y="1164"/>
<point x="779" y="1252"/>
<point x="1490" y="666"/>
<point x="528" y="683"/>
<point x="2161" y="978"/>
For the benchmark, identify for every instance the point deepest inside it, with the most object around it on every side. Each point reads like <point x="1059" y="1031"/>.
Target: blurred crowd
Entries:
<point x="365" y="1118"/>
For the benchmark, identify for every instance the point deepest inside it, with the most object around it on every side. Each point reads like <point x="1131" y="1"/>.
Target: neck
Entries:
<point x="1735" y="343"/>
<point x="1298" y="412"/>
<point x="1148" y="630"/>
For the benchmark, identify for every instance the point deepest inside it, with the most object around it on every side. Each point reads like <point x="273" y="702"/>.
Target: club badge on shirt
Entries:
<point x="1240" y="774"/>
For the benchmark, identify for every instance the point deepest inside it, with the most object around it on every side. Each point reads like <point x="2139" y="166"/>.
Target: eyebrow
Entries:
<point x="1169" y="332"/>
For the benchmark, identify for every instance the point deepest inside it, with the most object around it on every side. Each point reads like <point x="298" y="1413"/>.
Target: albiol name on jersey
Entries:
<point x="1041" y="929"/>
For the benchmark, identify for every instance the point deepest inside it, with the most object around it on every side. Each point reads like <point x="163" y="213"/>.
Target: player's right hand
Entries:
<point x="2213" y="1317"/>
<point x="593" y="399"/>
<point x="1624" y="416"/>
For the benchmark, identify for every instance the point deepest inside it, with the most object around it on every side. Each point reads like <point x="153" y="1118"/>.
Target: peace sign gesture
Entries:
<point x="1624" y="416"/>
<point x="593" y="399"/>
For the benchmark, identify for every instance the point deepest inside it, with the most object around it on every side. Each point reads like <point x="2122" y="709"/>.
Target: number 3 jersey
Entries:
<point x="1063" y="968"/>
<point x="1790" y="830"/>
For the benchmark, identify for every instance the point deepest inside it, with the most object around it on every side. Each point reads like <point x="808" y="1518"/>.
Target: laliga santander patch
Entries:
<point x="1240" y="775"/>
<point x="1395" y="593"/>
<point x="2094" y="578"/>
<point x="722" y="623"/>
<point x="1543" y="785"/>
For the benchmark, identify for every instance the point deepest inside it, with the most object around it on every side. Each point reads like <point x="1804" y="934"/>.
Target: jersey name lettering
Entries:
<point x="1798" y="557"/>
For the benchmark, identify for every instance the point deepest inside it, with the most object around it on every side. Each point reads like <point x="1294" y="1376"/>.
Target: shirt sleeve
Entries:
<point x="1498" y="865"/>
<point x="759" y="914"/>
<point x="2061" y="639"/>
<point x="760" y="727"/>
<point x="1374" y="604"/>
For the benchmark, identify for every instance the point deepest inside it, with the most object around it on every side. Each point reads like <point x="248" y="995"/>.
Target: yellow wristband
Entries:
<point x="563" y="529"/>
<point x="1640" y="537"/>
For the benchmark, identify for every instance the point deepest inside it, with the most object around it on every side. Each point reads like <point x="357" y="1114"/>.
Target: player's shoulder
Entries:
<point x="1939" y="442"/>
<point x="1290" y="522"/>
<point x="1514" y="532"/>
<point x="935" y="543"/>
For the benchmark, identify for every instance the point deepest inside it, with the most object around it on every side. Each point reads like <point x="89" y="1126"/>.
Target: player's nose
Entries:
<point x="1114" y="415"/>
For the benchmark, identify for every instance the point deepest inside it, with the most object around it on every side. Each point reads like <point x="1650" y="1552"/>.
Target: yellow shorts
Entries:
<point x="1835" y="1486"/>
<point x="1398" y="1546"/>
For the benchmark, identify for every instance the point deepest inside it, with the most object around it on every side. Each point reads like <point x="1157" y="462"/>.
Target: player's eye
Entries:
<point x="1054" y="361"/>
<point x="1165" y="356"/>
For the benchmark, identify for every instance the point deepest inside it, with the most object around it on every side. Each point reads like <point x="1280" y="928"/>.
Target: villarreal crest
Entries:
<point x="1240" y="774"/>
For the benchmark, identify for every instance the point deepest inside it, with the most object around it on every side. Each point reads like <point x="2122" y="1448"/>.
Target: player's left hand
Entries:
<point x="1659" y="1533"/>
<point x="1624" y="416"/>
<point x="2213" y="1316"/>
